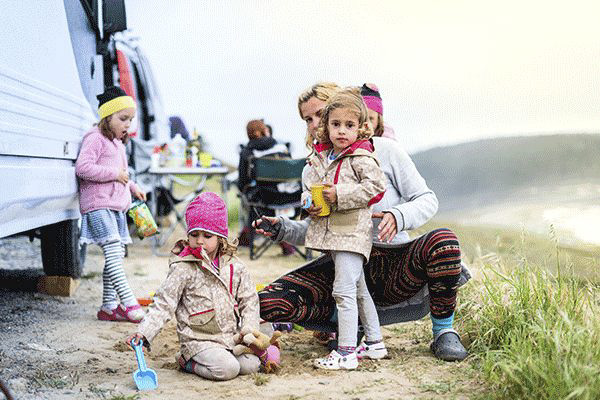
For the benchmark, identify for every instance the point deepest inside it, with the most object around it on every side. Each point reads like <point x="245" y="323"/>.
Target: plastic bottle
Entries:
<point x="194" y="148"/>
<point x="178" y="145"/>
<point x="155" y="158"/>
<point x="195" y="140"/>
<point x="194" y="152"/>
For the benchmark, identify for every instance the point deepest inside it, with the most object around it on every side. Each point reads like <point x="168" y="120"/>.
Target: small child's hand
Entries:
<point x="329" y="193"/>
<point x="123" y="176"/>
<point x="140" y="195"/>
<point x="314" y="210"/>
<point x="137" y="336"/>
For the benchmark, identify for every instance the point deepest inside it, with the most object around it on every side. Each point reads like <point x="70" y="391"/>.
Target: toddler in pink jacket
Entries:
<point x="104" y="195"/>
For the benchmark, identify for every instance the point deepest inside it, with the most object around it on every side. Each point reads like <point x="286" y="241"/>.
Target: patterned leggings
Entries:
<point x="393" y="275"/>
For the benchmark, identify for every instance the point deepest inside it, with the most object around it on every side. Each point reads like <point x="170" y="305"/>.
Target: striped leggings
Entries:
<point x="393" y="275"/>
<point x="113" y="277"/>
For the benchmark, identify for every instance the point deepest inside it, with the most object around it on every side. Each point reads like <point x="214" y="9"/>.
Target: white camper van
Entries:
<point x="55" y="58"/>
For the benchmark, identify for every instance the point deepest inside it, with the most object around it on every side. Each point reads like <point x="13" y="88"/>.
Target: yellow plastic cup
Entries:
<point x="205" y="159"/>
<point x="316" y="191"/>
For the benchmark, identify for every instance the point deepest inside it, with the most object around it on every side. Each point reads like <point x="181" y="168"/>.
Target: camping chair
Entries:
<point x="275" y="190"/>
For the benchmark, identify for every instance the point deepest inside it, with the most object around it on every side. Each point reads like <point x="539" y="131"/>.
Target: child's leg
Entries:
<point x="110" y="301"/>
<point x="216" y="364"/>
<point x="373" y="346"/>
<point x="368" y="312"/>
<point x="348" y="270"/>
<point x="114" y="273"/>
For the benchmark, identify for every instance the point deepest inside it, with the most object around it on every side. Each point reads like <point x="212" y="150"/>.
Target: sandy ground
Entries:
<point x="55" y="348"/>
<point x="63" y="352"/>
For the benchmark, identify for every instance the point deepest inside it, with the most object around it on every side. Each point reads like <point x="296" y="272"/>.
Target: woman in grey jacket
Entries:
<point x="407" y="278"/>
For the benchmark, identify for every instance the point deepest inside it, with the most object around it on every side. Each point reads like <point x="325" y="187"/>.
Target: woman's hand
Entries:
<point x="270" y="220"/>
<point x="123" y="176"/>
<point x="330" y="194"/>
<point x="140" y="195"/>
<point x="138" y="336"/>
<point x="387" y="227"/>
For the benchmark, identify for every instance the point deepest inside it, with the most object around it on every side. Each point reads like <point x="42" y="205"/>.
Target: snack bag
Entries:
<point x="144" y="223"/>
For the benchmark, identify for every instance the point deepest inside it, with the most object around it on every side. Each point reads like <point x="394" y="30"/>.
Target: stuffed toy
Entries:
<point x="253" y="341"/>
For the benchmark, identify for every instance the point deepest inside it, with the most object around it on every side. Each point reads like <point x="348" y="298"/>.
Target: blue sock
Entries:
<point x="441" y="323"/>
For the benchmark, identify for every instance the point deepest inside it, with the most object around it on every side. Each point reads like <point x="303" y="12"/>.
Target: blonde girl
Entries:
<point x="344" y="162"/>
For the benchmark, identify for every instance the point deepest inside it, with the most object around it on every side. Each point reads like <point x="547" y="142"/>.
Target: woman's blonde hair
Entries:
<point x="322" y="91"/>
<point x="346" y="98"/>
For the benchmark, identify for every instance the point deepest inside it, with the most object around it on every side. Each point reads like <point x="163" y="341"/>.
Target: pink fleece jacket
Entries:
<point x="98" y="165"/>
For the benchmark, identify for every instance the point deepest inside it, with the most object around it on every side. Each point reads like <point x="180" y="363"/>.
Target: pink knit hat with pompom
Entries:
<point x="371" y="97"/>
<point x="207" y="212"/>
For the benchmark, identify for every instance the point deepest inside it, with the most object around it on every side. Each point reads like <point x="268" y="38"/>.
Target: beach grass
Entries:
<point x="531" y="316"/>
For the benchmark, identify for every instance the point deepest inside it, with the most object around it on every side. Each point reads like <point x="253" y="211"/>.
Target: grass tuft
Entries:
<point x="535" y="333"/>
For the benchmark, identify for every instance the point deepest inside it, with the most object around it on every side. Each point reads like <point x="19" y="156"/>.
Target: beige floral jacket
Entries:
<point x="359" y="183"/>
<point x="209" y="307"/>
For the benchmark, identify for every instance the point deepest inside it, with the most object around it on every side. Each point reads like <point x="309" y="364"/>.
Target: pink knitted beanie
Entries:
<point x="207" y="212"/>
<point x="371" y="97"/>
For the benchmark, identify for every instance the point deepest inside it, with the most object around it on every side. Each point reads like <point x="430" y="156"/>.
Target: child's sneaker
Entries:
<point x="336" y="361"/>
<point x="375" y="351"/>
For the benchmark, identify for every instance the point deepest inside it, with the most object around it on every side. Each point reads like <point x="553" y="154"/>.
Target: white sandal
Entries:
<point x="336" y="361"/>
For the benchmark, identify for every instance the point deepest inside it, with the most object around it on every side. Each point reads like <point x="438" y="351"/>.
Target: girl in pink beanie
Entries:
<point x="211" y="294"/>
<point x="372" y="99"/>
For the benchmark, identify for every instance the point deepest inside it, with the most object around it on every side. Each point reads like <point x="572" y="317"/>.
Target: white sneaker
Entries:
<point x="336" y="361"/>
<point x="375" y="351"/>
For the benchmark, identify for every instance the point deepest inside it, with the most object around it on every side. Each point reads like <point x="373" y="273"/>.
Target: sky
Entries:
<point x="448" y="71"/>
